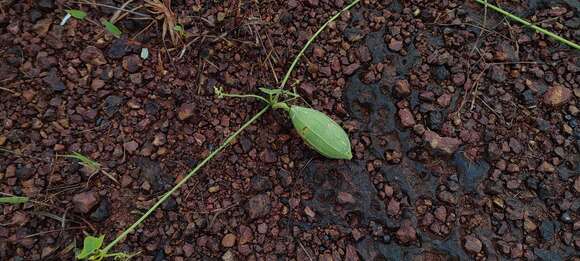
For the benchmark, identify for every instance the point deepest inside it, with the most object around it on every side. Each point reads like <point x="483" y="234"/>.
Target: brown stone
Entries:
<point x="446" y="145"/>
<point x="93" y="55"/>
<point x="407" y="119"/>
<point x="85" y="201"/>
<point x="472" y="244"/>
<point x="229" y="240"/>
<point x="557" y="95"/>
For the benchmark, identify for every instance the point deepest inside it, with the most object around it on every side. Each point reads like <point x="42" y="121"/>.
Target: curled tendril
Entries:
<point x="219" y="91"/>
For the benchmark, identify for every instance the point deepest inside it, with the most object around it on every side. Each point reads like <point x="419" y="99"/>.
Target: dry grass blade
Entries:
<point x="161" y="9"/>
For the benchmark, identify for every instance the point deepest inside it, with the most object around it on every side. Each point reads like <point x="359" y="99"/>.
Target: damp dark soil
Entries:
<point x="464" y="127"/>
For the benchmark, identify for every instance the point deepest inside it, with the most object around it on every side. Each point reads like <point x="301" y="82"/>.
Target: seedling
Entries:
<point x="13" y="200"/>
<point x="78" y="14"/>
<point x="92" y="166"/>
<point x="319" y="131"/>
<point x="112" y="28"/>
<point x="162" y="11"/>
<point x="526" y="23"/>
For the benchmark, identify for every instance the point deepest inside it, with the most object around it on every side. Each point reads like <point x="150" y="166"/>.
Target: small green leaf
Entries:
<point x="144" y="53"/>
<point x="321" y="133"/>
<point x="13" y="200"/>
<point x="112" y="28"/>
<point x="90" y="245"/>
<point x="78" y="14"/>
<point x="270" y="91"/>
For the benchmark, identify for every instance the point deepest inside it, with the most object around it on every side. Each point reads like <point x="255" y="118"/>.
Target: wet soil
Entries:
<point x="464" y="129"/>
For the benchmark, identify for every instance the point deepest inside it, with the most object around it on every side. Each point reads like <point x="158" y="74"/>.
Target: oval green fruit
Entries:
<point x="321" y="133"/>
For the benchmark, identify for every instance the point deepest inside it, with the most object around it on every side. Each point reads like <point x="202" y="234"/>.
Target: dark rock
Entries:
<point x="528" y="97"/>
<point x="112" y="104"/>
<point x="548" y="229"/>
<point x="102" y="212"/>
<point x="435" y="120"/>
<point x="497" y="73"/>
<point x="515" y="145"/>
<point x="34" y="15"/>
<point x="185" y="111"/>
<point x="268" y="156"/>
<point x="472" y="244"/>
<point x="566" y="218"/>
<point x="54" y="81"/>
<point x="85" y="201"/>
<point x="46" y="5"/>
<point x="441" y="73"/>
<point x="169" y="205"/>
<point x="93" y="55"/>
<point x="258" y="206"/>
<point x="132" y="63"/>
<point x="118" y="49"/>
<point x="260" y="183"/>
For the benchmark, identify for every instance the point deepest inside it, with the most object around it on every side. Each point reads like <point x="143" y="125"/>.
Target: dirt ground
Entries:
<point x="464" y="128"/>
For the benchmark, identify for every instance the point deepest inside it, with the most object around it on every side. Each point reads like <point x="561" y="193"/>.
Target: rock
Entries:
<point x="188" y="249"/>
<point x="309" y="212"/>
<point x="402" y="88"/>
<point x="548" y="229"/>
<point x="444" y="100"/>
<point x="406" y="233"/>
<point x="92" y="55"/>
<point x="441" y="72"/>
<point x="268" y="156"/>
<point x="345" y="198"/>
<point x="312" y="3"/>
<point x="458" y="79"/>
<point x="112" y="104"/>
<point x="393" y="207"/>
<point x="436" y="120"/>
<point x="546" y="167"/>
<point x="557" y="95"/>
<point x="132" y="63"/>
<point x="246" y="235"/>
<point x="97" y="84"/>
<point x="443" y="144"/>
<point x="54" y="81"/>
<point x="185" y="111"/>
<point x="42" y="26"/>
<point x="441" y="213"/>
<point x="472" y="244"/>
<point x="307" y="88"/>
<point x="85" y="201"/>
<point x="159" y="139"/>
<point x="447" y="197"/>
<point x="349" y="70"/>
<point x="407" y="119"/>
<point x="395" y="45"/>
<point x="364" y="54"/>
<point x="46" y="5"/>
<point x="515" y="145"/>
<point x="229" y="256"/>
<point x="258" y="206"/>
<point x="260" y="183"/>
<point x="102" y="212"/>
<point x="577" y="184"/>
<point x="566" y="218"/>
<point x="131" y="146"/>
<point x="118" y="48"/>
<point x="229" y="240"/>
<point x="351" y="254"/>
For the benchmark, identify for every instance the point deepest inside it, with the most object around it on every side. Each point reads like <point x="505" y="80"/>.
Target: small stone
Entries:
<point x="407" y="119"/>
<point x="262" y="228"/>
<point x="185" y="111"/>
<point x="188" y="250"/>
<point x="393" y="207"/>
<point x="546" y="167"/>
<point x="402" y="88"/>
<point x="260" y="183"/>
<point x="118" y="48"/>
<point x="312" y="3"/>
<point x="53" y="81"/>
<point x="307" y="88"/>
<point x="131" y="146"/>
<point x="246" y="235"/>
<point x="97" y="84"/>
<point x="229" y="240"/>
<point x="268" y="156"/>
<point x="85" y="201"/>
<point x="345" y="198"/>
<point x="447" y="197"/>
<point x="132" y="63"/>
<point x="529" y="225"/>
<point x="472" y="244"/>
<point x="92" y="55"/>
<point x="441" y="213"/>
<point x="406" y="233"/>
<point x="349" y="70"/>
<point x="309" y="212"/>
<point x="576" y="183"/>
<point x="229" y="256"/>
<point x="159" y="139"/>
<point x="395" y="45"/>
<point x="258" y="206"/>
<point x="444" y="100"/>
<point x="443" y="144"/>
<point x="557" y="95"/>
<point x="213" y="189"/>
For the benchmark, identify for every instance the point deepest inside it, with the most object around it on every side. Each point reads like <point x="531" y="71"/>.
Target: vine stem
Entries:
<point x="312" y="38"/>
<point x="189" y="175"/>
<point x="526" y="23"/>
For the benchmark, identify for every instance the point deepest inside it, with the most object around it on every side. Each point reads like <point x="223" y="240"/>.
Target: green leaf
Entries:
<point x="321" y="133"/>
<point x="78" y="14"/>
<point x="90" y="245"/>
<point x="112" y="28"/>
<point x="13" y="200"/>
<point x="270" y="91"/>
